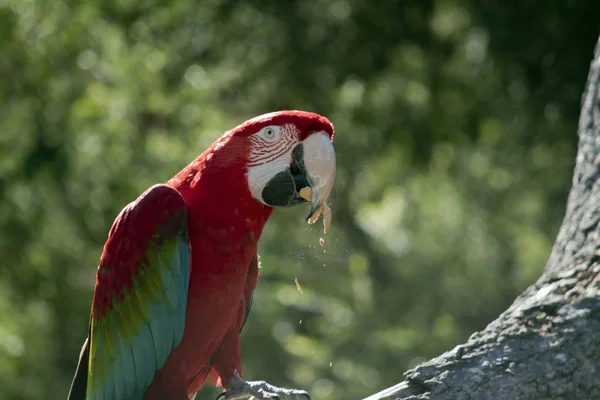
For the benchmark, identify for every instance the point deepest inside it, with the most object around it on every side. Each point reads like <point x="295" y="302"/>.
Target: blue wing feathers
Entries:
<point x="109" y="389"/>
<point x="136" y="337"/>
<point x="143" y="359"/>
<point x="161" y="334"/>
<point x="116" y="374"/>
<point x="128" y="372"/>
<point x="138" y="373"/>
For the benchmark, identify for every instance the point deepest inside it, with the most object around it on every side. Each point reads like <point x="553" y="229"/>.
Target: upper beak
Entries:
<point x="312" y="166"/>
<point x="319" y="162"/>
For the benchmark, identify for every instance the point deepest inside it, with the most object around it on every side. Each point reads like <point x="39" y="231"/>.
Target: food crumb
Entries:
<point x="298" y="285"/>
<point x="326" y="217"/>
<point x="322" y="241"/>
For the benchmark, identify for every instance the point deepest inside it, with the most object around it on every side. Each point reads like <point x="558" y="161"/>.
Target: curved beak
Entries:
<point x="312" y="166"/>
<point x="319" y="161"/>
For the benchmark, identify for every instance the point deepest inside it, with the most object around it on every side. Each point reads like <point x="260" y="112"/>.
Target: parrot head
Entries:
<point x="263" y="163"/>
<point x="288" y="151"/>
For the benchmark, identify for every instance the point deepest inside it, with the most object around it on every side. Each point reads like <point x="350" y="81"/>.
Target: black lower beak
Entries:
<point x="283" y="189"/>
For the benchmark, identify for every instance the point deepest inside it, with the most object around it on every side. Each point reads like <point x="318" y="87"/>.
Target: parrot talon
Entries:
<point x="260" y="390"/>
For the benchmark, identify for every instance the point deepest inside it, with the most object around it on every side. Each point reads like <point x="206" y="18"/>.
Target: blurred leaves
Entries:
<point x="455" y="134"/>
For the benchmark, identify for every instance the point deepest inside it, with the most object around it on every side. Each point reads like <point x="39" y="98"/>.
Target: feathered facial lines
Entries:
<point x="272" y="142"/>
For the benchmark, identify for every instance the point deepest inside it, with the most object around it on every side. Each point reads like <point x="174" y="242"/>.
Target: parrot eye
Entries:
<point x="270" y="133"/>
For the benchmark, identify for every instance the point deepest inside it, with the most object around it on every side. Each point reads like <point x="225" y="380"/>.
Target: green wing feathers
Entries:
<point x="138" y="312"/>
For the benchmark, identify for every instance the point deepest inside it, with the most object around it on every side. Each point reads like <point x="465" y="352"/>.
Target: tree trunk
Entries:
<point x="547" y="344"/>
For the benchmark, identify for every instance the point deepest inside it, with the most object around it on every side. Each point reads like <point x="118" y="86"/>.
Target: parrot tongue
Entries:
<point x="316" y="209"/>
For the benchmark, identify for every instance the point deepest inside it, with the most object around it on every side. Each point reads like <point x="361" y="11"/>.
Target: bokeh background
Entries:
<point x="456" y="134"/>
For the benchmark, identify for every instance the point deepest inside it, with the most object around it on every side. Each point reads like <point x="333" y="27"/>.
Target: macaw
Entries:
<point x="176" y="279"/>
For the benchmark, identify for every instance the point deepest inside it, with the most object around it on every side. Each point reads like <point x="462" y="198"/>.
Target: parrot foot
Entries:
<point x="259" y="390"/>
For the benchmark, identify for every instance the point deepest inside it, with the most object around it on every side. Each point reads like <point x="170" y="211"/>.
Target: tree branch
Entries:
<point x="547" y="344"/>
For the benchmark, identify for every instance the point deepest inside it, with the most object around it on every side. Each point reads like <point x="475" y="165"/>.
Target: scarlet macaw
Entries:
<point x="176" y="278"/>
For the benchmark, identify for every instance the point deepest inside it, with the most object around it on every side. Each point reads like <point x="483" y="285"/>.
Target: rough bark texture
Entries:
<point x="547" y="344"/>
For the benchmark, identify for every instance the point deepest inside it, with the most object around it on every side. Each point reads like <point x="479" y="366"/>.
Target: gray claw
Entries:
<point x="259" y="390"/>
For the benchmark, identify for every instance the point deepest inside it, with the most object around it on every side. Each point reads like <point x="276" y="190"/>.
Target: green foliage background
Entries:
<point x="455" y="124"/>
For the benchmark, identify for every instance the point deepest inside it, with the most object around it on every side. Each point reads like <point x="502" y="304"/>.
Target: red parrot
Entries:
<point x="175" y="281"/>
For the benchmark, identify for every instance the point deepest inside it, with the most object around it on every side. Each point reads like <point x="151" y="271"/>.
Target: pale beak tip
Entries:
<point x="313" y="210"/>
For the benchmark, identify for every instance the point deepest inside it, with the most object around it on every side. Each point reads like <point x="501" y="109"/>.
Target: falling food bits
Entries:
<point x="322" y="241"/>
<point x="298" y="285"/>
<point x="326" y="217"/>
<point x="306" y="193"/>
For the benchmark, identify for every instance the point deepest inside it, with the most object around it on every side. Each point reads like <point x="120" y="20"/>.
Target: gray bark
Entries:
<point x="547" y="344"/>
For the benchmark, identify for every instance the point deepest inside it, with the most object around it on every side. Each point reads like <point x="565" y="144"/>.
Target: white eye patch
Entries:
<point x="270" y="133"/>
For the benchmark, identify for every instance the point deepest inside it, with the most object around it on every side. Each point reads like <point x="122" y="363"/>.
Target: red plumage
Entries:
<point x="224" y="223"/>
<point x="124" y="249"/>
